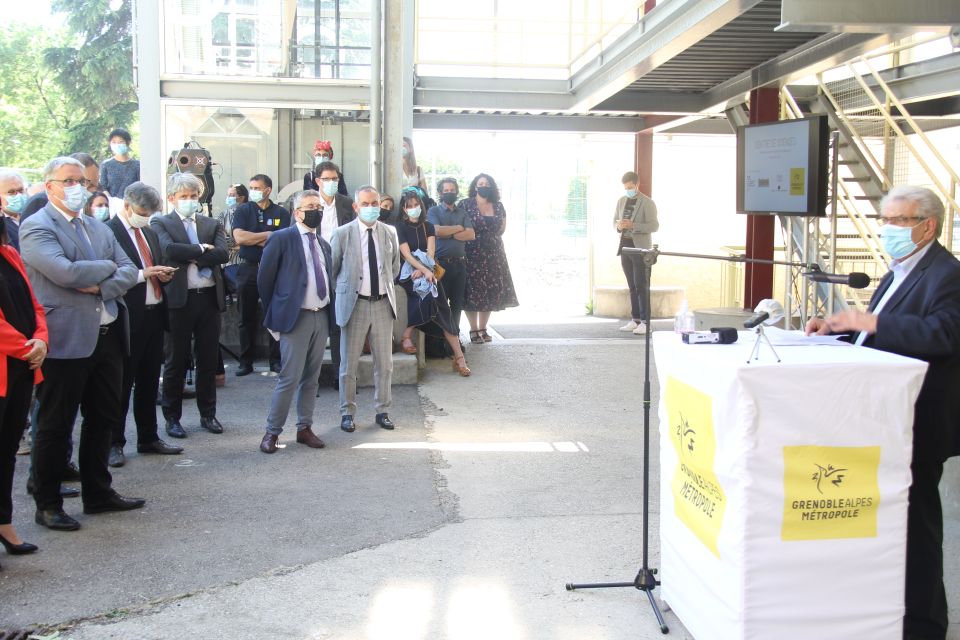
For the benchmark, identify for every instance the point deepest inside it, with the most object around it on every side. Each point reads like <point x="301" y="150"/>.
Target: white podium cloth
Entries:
<point x="783" y="488"/>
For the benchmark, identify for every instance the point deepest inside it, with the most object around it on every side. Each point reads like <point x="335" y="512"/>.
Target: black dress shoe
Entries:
<point x="159" y="446"/>
<point x="211" y="424"/>
<point x="275" y="367"/>
<point x="244" y="370"/>
<point x="346" y="423"/>
<point x="65" y="491"/>
<point x="56" y="519"/>
<point x="18" y="549"/>
<point x="71" y="472"/>
<point x="116" y="502"/>
<point x="384" y="421"/>
<point x="116" y="458"/>
<point x="269" y="443"/>
<point x="175" y="430"/>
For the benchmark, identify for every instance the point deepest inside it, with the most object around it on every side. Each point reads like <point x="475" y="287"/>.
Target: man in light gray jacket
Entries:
<point x="635" y="219"/>
<point x="79" y="274"/>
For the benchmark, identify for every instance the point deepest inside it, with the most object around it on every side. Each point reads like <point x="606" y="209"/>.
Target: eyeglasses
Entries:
<point x="311" y="209"/>
<point x="70" y="182"/>
<point x="14" y="192"/>
<point x="329" y="179"/>
<point x="900" y="221"/>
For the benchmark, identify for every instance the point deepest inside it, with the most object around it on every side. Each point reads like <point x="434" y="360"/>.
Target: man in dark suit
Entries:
<point x="79" y="274"/>
<point x="148" y="321"/>
<point x="197" y="247"/>
<point x="294" y="283"/>
<point x="337" y="211"/>
<point x="13" y="198"/>
<point x="915" y="312"/>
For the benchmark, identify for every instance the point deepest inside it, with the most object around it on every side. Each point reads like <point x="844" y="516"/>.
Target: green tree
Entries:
<point x="34" y="113"/>
<point x="96" y="75"/>
<point x="576" y="212"/>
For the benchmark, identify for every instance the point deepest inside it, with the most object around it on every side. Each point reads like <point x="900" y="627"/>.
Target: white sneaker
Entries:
<point x="640" y="330"/>
<point x="630" y="326"/>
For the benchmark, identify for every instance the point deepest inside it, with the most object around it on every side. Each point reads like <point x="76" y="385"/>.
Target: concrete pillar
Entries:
<point x="285" y="150"/>
<point x="398" y="21"/>
<point x="643" y="162"/>
<point x="758" y="278"/>
<point x="153" y="159"/>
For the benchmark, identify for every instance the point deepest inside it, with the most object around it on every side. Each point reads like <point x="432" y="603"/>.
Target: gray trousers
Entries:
<point x="301" y="354"/>
<point x="377" y="319"/>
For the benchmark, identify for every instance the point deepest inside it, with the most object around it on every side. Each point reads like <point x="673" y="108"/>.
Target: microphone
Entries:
<point x="768" y="312"/>
<point x="853" y="280"/>
<point x="716" y="335"/>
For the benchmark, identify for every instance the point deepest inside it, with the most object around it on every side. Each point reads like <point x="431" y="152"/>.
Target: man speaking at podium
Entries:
<point x="915" y="312"/>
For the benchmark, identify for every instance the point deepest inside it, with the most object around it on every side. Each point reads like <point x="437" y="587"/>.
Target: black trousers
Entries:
<point x="637" y="282"/>
<point x="198" y="319"/>
<point x="93" y="385"/>
<point x="249" y="299"/>
<point x="141" y="375"/>
<point x="455" y="286"/>
<point x="926" y="601"/>
<point x="14" y="408"/>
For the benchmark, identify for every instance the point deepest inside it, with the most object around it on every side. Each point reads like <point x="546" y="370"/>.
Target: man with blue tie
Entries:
<point x="79" y="274"/>
<point x="294" y="285"/>
<point x="197" y="247"/>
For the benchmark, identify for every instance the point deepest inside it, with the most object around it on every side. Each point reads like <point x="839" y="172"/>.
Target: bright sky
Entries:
<point x="38" y="12"/>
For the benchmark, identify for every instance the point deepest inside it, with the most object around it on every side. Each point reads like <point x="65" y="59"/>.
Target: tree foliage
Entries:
<point x="97" y="74"/>
<point x="34" y="113"/>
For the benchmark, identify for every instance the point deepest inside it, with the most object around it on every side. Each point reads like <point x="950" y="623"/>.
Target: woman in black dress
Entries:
<point x="23" y="346"/>
<point x="429" y="314"/>
<point x="489" y="284"/>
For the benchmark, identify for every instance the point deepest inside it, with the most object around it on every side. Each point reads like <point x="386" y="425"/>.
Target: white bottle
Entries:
<point x="684" y="321"/>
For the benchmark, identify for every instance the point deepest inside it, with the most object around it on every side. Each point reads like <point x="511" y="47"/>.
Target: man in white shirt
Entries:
<point x="295" y="288"/>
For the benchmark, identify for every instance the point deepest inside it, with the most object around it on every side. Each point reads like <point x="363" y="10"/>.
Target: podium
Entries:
<point x="783" y="488"/>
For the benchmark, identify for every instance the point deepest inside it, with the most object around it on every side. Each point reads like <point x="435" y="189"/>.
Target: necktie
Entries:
<point x="203" y="272"/>
<point x="372" y="259"/>
<point x="84" y="242"/>
<point x="147" y="261"/>
<point x="317" y="271"/>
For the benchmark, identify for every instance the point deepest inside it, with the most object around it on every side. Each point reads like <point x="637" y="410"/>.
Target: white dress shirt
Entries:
<point x="365" y="262"/>
<point x="329" y="221"/>
<point x="901" y="269"/>
<point x="194" y="281"/>
<point x="151" y="296"/>
<point x="105" y="316"/>
<point x="311" y="300"/>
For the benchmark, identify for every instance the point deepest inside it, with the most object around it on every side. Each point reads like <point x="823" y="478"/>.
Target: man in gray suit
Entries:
<point x="79" y="274"/>
<point x="366" y="259"/>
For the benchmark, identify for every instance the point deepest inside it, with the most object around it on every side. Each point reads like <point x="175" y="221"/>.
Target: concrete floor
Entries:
<point x="466" y="522"/>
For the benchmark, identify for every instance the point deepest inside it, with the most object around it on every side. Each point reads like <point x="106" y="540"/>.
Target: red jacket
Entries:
<point x="11" y="340"/>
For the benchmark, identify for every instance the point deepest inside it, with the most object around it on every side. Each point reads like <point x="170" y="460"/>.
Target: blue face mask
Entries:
<point x="897" y="241"/>
<point x="256" y="195"/>
<point x="231" y="201"/>
<point x="119" y="149"/>
<point x="187" y="208"/>
<point x="631" y="193"/>
<point x="414" y="214"/>
<point x="330" y="187"/>
<point x="75" y="197"/>
<point x="15" y="203"/>
<point x="101" y="213"/>
<point x="370" y="214"/>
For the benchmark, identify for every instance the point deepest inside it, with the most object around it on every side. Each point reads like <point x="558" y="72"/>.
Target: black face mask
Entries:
<point x="448" y="198"/>
<point x="385" y="212"/>
<point x="312" y="217"/>
<point x="485" y="192"/>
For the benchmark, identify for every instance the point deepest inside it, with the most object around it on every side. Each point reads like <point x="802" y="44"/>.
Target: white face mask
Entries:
<point x="137" y="221"/>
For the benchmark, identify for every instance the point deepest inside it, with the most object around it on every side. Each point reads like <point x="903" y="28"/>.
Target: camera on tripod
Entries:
<point x="197" y="161"/>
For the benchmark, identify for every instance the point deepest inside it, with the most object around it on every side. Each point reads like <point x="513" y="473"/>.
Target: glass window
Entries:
<point x="246" y="32"/>
<point x="221" y="29"/>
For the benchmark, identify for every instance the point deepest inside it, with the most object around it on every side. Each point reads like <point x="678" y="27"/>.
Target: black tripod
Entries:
<point x="645" y="580"/>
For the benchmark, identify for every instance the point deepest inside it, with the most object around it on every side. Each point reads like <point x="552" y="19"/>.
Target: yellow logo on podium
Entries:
<point x="830" y="492"/>
<point x="698" y="498"/>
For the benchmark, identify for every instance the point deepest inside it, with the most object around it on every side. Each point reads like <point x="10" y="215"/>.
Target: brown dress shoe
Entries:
<point x="309" y="438"/>
<point x="269" y="443"/>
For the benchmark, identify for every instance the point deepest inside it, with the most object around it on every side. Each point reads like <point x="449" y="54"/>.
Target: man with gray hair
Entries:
<point x="13" y="198"/>
<point x="197" y="248"/>
<point x="79" y="274"/>
<point x="294" y="285"/>
<point x="915" y="312"/>
<point x="148" y="321"/>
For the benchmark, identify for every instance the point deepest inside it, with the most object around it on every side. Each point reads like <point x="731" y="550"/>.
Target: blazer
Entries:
<point x="179" y="252"/>
<point x="11" y="340"/>
<point x="136" y="297"/>
<point x="644" y="220"/>
<point x="282" y="279"/>
<point x="922" y="320"/>
<point x="13" y="233"/>
<point x="57" y="266"/>
<point x="348" y="266"/>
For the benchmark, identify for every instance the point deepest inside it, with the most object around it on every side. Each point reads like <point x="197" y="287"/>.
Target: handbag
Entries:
<point x="438" y="271"/>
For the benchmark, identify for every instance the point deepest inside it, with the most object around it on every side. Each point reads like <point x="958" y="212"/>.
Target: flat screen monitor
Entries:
<point x="782" y="167"/>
